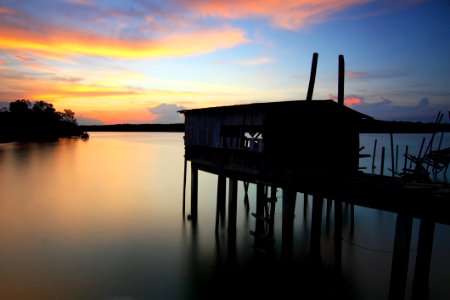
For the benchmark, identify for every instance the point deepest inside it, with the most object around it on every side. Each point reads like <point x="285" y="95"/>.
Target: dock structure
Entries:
<point x="309" y="147"/>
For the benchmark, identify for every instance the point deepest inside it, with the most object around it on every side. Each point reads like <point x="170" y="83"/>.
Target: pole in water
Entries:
<point x="392" y="154"/>
<point x="373" y="155"/>
<point x="312" y="78"/>
<point x="341" y="79"/>
<point x="184" y="187"/>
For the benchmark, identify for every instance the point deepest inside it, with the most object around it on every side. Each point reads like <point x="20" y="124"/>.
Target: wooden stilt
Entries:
<point x="246" y="202"/>
<point x="406" y="160"/>
<point x="392" y="154"/>
<point x="341" y="80"/>
<point x="260" y="221"/>
<point x="312" y="78"/>
<point x="288" y="223"/>
<point x="400" y="257"/>
<point x="184" y="188"/>
<point x="352" y="218"/>
<point x="232" y="204"/>
<point x="374" y="154"/>
<point x="305" y="205"/>
<point x="316" y="226"/>
<point x="273" y="200"/>
<point x="194" y="192"/>
<point x="338" y="235"/>
<point x="396" y="158"/>
<point x="221" y="197"/>
<point x="423" y="259"/>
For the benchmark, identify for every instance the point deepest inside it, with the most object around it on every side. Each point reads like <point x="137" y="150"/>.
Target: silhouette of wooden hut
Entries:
<point x="319" y="137"/>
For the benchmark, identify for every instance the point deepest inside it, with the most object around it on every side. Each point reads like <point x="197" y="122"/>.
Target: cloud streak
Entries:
<point x="388" y="110"/>
<point x="60" y="43"/>
<point x="286" y="14"/>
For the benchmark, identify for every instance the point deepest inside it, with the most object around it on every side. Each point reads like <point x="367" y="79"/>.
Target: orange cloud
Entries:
<point x="113" y="116"/>
<point x="5" y="10"/>
<point x="287" y="14"/>
<point x="349" y="101"/>
<point x="65" y="43"/>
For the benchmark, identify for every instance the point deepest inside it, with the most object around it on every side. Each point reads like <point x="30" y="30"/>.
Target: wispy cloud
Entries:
<point x="377" y="74"/>
<point x="5" y="10"/>
<point x="286" y="14"/>
<point x="256" y="61"/>
<point x="385" y="109"/>
<point x="67" y="43"/>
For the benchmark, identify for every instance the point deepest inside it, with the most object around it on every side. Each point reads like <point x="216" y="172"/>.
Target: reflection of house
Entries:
<point x="319" y="136"/>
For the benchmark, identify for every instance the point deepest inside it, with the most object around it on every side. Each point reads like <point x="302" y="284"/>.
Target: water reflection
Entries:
<point x="336" y="243"/>
<point x="100" y="219"/>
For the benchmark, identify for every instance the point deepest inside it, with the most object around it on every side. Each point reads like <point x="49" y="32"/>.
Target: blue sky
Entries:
<point x="141" y="61"/>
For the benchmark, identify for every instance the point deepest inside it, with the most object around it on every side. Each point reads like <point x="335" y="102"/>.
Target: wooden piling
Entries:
<point x="184" y="187"/>
<point x="396" y="158"/>
<point x="221" y="196"/>
<point x="287" y="234"/>
<point x="329" y="203"/>
<point x="382" y="162"/>
<point x="246" y="202"/>
<point x="341" y="79"/>
<point x="232" y="204"/>
<point x="400" y="257"/>
<point x="352" y="219"/>
<point x="374" y="154"/>
<point x="406" y="159"/>
<point x="316" y="226"/>
<point x="194" y="192"/>
<point x="338" y="235"/>
<point x="273" y="200"/>
<point x="420" y="150"/>
<point x="305" y="205"/>
<point x="312" y="78"/>
<point x="423" y="259"/>
<point x="259" y="222"/>
<point x="392" y="154"/>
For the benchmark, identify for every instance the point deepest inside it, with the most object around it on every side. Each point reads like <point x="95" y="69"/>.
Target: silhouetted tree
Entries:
<point x="68" y="116"/>
<point x="20" y="106"/>
<point x="37" y="120"/>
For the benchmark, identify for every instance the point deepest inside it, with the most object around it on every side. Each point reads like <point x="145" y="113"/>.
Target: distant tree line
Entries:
<point x="38" y="120"/>
<point x="176" y="127"/>
<point x="378" y="126"/>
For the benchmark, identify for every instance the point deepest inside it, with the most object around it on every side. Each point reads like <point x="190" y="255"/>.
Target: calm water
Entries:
<point x="102" y="219"/>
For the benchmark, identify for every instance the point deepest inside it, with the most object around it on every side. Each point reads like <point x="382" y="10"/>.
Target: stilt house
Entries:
<point x="319" y="137"/>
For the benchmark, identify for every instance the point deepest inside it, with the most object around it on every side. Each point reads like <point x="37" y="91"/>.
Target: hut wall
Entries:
<point x="219" y="130"/>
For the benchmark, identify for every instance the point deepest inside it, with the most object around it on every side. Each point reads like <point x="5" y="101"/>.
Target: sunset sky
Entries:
<point x="119" y="61"/>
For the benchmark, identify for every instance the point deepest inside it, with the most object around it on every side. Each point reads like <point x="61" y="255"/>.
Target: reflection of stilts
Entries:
<point x="246" y="204"/>
<point x="265" y="210"/>
<point x="289" y="197"/>
<point x="316" y="228"/>
<point x="400" y="258"/>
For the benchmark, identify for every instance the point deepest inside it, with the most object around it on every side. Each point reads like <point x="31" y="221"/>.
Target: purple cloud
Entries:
<point x="167" y="113"/>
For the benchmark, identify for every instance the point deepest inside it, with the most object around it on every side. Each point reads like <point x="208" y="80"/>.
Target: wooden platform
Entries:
<point x="422" y="200"/>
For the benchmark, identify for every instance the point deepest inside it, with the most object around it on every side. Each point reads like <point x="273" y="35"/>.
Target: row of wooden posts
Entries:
<point x="415" y="162"/>
<point x="264" y="228"/>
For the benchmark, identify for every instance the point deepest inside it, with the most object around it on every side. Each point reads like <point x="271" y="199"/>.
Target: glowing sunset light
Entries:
<point x="63" y="43"/>
<point x="116" y="61"/>
<point x="352" y="100"/>
<point x="290" y="14"/>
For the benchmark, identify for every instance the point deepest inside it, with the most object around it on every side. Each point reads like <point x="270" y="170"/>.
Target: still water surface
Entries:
<point x="102" y="219"/>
